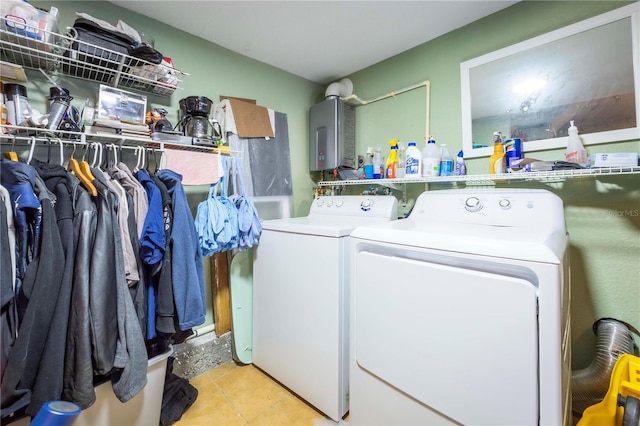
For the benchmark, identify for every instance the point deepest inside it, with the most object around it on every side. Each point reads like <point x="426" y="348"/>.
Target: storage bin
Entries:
<point x="142" y="410"/>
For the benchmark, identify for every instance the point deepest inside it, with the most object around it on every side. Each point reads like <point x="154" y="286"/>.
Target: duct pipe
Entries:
<point x="342" y="88"/>
<point x="590" y="385"/>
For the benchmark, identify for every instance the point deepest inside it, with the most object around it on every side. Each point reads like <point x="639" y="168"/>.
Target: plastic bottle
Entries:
<point x="392" y="160"/>
<point x="461" y="166"/>
<point x="575" y="150"/>
<point x="402" y="161"/>
<point x="414" y="162"/>
<point x="496" y="161"/>
<point x="430" y="159"/>
<point x="446" y="161"/>
<point x="378" y="167"/>
<point x="368" y="165"/>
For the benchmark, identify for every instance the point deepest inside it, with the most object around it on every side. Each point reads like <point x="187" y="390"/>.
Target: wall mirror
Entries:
<point x="588" y="72"/>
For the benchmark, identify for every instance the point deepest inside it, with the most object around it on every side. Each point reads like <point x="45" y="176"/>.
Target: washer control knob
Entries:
<point x="339" y="203"/>
<point x="366" y="205"/>
<point x="319" y="202"/>
<point x="329" y="203"/>
<point x="504" y="204"/>
<point x="473" y="204"/>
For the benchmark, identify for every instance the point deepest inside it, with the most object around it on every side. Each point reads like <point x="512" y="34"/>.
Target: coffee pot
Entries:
<point x="195" y="121"/>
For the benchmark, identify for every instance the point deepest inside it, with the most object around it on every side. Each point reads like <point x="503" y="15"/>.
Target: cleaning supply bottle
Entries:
<point x="461" y="167"/>
<point x="496" y="161"/>
<point x="392" y="160"/>
<point x="430" y="159"/>
<point x="368" y="165"/>
<point x="378" y="167"/>
<point x="413" y="163"/>
<point x="446" y="161"/>
<point x="575" y="152"/>
<point x="402" y="161"/>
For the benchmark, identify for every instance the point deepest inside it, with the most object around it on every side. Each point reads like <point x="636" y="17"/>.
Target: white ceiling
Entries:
<point x="321" y="41"/>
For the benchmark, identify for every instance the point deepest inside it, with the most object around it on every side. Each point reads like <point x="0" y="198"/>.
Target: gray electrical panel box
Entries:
<point x="332" y="135"/>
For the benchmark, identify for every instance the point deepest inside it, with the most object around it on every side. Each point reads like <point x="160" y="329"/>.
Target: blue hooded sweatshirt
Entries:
<point x="187" y="268"/>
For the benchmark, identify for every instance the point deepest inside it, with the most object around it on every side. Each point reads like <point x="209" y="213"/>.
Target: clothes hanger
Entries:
<point x="33" y="147"/>
<point x="74" y="166"/>
<point x="85" y="168"/>
<point x="61" y="151"/>
<point x="12" y="155"/>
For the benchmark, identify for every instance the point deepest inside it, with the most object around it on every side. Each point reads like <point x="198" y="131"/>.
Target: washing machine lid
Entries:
<point x="528" y="244"/>
<point x="337" y="216"/>
<point x="328" y="226"/>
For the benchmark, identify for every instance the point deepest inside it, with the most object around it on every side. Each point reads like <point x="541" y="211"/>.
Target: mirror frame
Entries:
<point x="630" y="11"/>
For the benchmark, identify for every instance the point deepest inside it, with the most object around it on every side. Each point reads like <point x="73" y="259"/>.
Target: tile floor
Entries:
<point x="233" y="394"/>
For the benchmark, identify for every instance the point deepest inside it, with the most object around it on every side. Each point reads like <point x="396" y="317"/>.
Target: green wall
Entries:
<point x="603" y="215"/>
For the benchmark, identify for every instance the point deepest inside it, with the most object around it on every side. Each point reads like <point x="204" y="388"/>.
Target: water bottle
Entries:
<point x="446" y="161"/>
<point x="378" y="167"/>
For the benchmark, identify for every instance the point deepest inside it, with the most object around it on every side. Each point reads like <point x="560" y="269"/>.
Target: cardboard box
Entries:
<point x="614" y="159"/>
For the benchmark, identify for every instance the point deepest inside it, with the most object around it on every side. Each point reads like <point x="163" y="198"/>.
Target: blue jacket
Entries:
<point x="152" y="241"/>
<point x="187" y="268"/>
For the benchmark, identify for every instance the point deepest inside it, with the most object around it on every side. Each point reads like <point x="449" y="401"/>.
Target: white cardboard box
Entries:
<point x="614" y="159"/>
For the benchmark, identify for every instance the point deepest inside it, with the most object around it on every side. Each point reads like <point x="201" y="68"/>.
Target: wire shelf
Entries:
<point x="491" y="180"/>
<point x="67" y="55"/>
<point x="29" y="135"/>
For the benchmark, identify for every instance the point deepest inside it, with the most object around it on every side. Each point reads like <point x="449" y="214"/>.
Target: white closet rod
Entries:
<point x="394" y="93"/>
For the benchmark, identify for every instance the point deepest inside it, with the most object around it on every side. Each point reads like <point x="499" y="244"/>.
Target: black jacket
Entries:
<point x="25" y="382"/>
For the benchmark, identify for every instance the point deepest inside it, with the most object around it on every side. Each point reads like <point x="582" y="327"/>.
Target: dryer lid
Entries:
<point x="494" y="241"/>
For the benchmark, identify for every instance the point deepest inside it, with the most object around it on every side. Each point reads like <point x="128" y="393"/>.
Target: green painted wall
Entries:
<point x="603" y="215"/>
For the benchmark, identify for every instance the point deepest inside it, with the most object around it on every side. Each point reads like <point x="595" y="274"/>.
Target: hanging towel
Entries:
<point x="196" y="168"/>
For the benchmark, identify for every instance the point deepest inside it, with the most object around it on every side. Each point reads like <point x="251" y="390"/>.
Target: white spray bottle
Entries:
<point x="575" y="152"/>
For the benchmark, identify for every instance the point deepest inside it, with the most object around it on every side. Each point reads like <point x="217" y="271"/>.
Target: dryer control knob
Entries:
<point x="366" y="205"/>
<point x="504" y="204"/>
<point x="473" y="204"/>
<point x="329" y="203"/>
<point x="319" y="202"/>
<point x="339" y="203"/>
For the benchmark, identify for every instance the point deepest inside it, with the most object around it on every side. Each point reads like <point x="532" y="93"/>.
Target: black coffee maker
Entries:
<point x="195" y="122"/>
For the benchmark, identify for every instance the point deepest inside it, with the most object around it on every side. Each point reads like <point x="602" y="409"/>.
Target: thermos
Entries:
<point x="60" y="100"/>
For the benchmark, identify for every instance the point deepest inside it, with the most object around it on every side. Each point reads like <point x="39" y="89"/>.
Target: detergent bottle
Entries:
<point x="430" y="159"/>
<point x="413" y="162"/>
<point x="392" y="161"/>
<point x="496" y="161"/>
<point x="461" y="166"/>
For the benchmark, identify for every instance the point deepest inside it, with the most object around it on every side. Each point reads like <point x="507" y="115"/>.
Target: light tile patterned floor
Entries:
<point x="232" y="394"/>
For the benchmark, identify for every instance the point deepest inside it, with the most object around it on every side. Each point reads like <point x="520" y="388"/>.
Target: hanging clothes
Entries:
<point x="19" y="179"/>
<point x="61" y="184"/>
<point x="187" y="267"/>
<point x="26" y="383"/>
<point x="8" y="312"/>
<point x="165" y="313"/>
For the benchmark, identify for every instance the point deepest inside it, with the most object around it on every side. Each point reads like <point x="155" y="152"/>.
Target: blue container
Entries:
<point x="56" y="413"/>
<point x="512" y="151"/>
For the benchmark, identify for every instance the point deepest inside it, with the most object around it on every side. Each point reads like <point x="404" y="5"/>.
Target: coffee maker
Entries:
<point x="195" y="121"/>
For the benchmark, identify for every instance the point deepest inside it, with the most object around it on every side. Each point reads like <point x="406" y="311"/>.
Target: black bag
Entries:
<point x="99" y="49"/>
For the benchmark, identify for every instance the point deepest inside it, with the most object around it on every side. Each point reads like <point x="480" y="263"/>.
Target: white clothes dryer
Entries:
<point x="301" y="304"/>
<point x="460" y="313"/>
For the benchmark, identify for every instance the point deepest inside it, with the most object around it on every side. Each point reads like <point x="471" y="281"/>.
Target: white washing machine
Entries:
<point x="460" y="313"/>
<point x="300" y="297"/>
